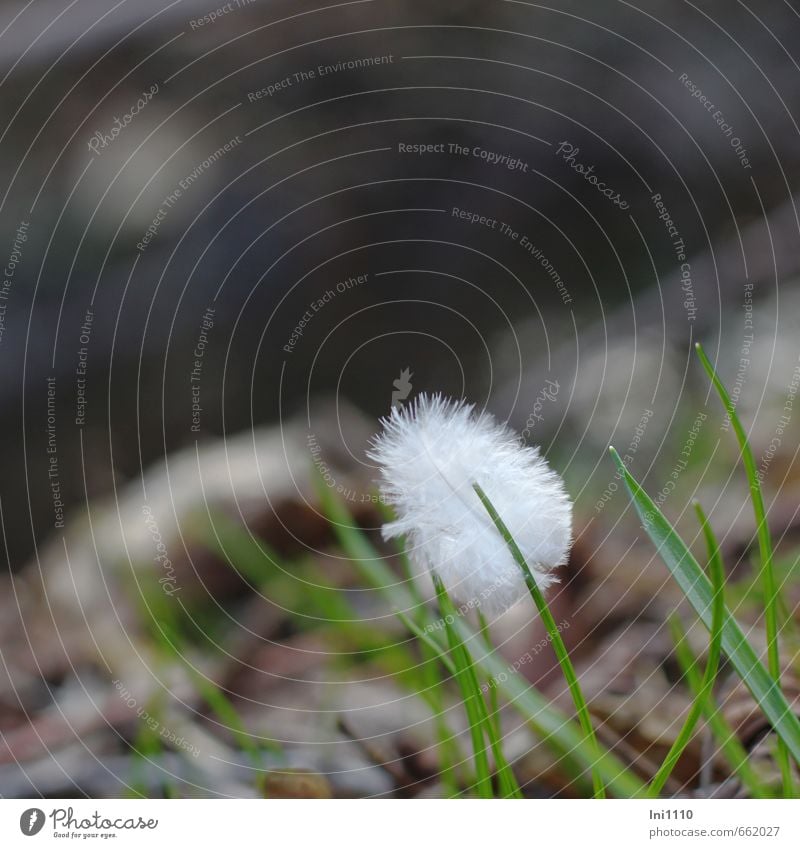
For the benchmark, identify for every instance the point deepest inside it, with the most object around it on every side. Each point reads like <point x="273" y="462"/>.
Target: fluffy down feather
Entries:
<point x="430" y="453"/>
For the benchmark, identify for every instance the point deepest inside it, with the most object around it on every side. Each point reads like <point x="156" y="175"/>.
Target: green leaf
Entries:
<point x="698" y="590"/>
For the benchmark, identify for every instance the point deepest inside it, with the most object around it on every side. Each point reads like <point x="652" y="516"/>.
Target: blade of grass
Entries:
<point x="697" y="589"/>
<point x="772" y="596"/>
<point x="229" y="718"/>
<point x="448" y="748"/>
<point x="729" y="743"/>
<point x="554" y="633"/>
<point x="259" y="564"/>
<point x="147" y="747"/>
<point x="249" y="556"/>
<point x="717" y="571"/>
<point x="470" y="694"/>
<point x="450" y="755"/>
<point x="431" y="652"/>
<point x="494" y="703"/>
<point x="427" y="639"/>
<point x="509" y="788"/>
<point x="165" y="627"/>
<point x="563" y="735"/>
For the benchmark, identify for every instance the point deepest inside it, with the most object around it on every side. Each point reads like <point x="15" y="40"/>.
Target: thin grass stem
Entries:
<point x="772" y="595"/>
<point x="470" y="693"/>
<point x="494" y="701"/>
<point x="555" y="637"/>
<point x="449" y="753"/>
<point x="717" y="571"/>
<point x="732" y="749"/>
<point x="508" y="783"/>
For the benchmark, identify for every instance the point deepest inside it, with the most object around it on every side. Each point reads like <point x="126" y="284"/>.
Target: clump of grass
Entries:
<point x="444" y="452"/>
<point x="764" y="685"/>
<point x="566" y="738"/>
<point x="562" y="655"/>
<point x="300" y="585"/>
<point x="730" y="746"/>
<point x="577" y="742"/>
<point x="455" y="654"/>
<point x="166" y="619"/>
<point x="772" y="595"/>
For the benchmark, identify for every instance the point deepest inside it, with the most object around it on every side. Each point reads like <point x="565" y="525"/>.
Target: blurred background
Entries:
<point x="235" y="235"/>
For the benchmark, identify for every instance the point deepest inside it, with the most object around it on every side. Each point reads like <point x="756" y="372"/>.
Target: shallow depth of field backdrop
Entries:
<point x="234" y="236"/>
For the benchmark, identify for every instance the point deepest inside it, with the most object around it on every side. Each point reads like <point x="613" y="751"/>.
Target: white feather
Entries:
<point x="430" y="454"/>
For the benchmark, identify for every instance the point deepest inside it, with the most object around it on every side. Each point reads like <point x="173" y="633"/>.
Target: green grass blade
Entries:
<point x="147" y="747"/>
<point x="697" y="589"/>
<point x="494" y="702"/>
<point x="219" y="703"/>
<point x="772" y="597"/>
<point x="427" y="639"/>
<point x="234" y="544"/>
<point x="446" y="657"/>
<point x="470" y="694"/>
<point x="717" y="572"/>
<point x="729" y="743"/>
<point x="552" y="629"/>
<point x="561" y="733"/>
<point x="509" y="788"/>
<point x="767" y="572"/>
<point x="165" y="627"/>
<point x="448" y="748"/>
<point x="471" y="691"/>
